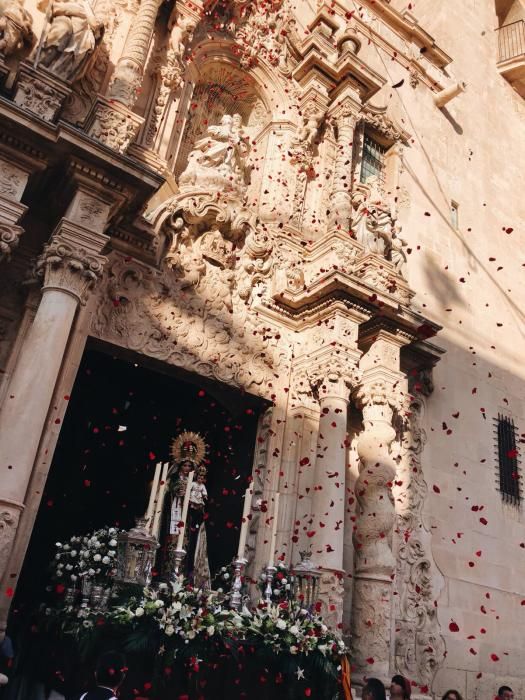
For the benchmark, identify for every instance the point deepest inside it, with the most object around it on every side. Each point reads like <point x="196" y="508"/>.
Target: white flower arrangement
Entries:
<point x="93" y="556"/>
<point x="184" y="613"/>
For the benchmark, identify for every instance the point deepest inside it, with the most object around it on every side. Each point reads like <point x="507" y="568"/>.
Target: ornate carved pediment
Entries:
<point x="377" y="118"/>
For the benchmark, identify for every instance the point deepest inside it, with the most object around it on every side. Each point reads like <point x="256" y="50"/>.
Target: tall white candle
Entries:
<point x="245" y="524"/>
<point x="185" y="506"/>
<point x="273" y="541"/>
<point x="153" y="494"/>
<point x="159" y="501"/>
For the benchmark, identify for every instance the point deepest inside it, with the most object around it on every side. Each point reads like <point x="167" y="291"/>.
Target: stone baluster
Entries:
<point x="344" y="119"/>
<point x="69" y="266"/>
<point x="379" y="396"/>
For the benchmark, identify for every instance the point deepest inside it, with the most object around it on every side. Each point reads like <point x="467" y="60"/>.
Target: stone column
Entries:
<point x="379" y="396"/>
<point x="333" y="374"/>
<point x="344" y="118"/>
<point x="69" y="266"/>
<point x="111" y="119"/>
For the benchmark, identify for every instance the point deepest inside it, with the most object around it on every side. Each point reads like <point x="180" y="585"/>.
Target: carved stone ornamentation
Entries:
<point x="9" y="239"/>
<point x="419" y="646"/>
<point x="70" y="39"/>
<point x="40" y="93"/>
<point x="113" y="125"/>
<point x="66" y="265"/>
<point x="15" y="27"/>
<point x="341" y="203"/>
<point x="331" y="593"/>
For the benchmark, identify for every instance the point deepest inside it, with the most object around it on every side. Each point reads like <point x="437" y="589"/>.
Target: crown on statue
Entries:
<point x="188" y="447"/>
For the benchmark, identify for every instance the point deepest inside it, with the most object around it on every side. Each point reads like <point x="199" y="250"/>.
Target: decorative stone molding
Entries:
<point x="40" y="92"/>
<point x="112" y="124"/>
<point x="377" y="118"/>
<point x="70" y="261"/>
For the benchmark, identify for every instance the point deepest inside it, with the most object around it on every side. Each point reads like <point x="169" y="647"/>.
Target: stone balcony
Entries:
<point x="511" y="54"/>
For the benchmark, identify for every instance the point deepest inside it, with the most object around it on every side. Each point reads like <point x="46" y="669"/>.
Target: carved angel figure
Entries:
<point x="181" y="32"/>
<point x="15" y="26"/>
<point x="218" y="158"/>
<point x="71" y="37"/>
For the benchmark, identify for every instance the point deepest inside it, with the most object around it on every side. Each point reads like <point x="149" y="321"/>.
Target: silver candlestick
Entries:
<point x="236" y="596"/>
<point x="268" y="591"/>
<point x="179" y="555"/>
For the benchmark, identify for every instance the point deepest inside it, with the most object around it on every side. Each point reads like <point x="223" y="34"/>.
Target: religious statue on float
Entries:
<point x="177" y="511"/>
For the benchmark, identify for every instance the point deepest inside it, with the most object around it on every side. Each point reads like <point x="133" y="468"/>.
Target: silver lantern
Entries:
<point x="307" y="577"/>
<point x="136" y="555"/>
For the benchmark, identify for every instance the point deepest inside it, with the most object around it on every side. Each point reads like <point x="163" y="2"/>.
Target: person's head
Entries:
<point x="111" y="670"/>
<point x="505" y="693"/>
<point x="452" y="695"/>
<point x="186" y="467"/>
<point x="374" y="690"/>
<point x="400" y="688"/>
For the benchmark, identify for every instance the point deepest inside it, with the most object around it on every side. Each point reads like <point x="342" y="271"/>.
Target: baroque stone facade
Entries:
<point x="291" y="203"/>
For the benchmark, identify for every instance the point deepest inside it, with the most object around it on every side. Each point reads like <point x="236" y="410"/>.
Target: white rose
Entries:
<point x="111" y="553"/>
<point x="73" y="577"/>
<point x="284" y="581"/>
<point x="91" y="572"/>
<point x="139" y="612"/>
<point x="57" y="556"/>
<point x="59" y="573"/>
<point x="112" y="531"/>
<point x="324" y="628"/>
<point x="211" y="630"/>
<point x="226" y="576"/>
<point x="85" y="554"/>
<point x="294" y="649"/>
<point x="73" y="553"/>
<point x="105" y="560"/>
<point x="68" y="567"/>
<point x="280" y="624"/>
<point x="97" y="557"/>
<point x="176" y="606"/>
<point x="294" y="629"/>
<point x="169" y="630"/>
<point x="113" y="543"/>
<point x="159" y="603"/>
<point x="66" y="547"/>
<point x="58" y="544"/>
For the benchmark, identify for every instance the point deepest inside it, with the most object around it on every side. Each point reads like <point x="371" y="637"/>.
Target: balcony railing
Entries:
<point x="511" y="40"/>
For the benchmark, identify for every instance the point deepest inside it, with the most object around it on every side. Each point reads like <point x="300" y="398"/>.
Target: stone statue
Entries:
<point x="181" y="32"/>
<point x="15" y="26"/>
<point x="70" y="37"/>
<point x="217" y="160"/>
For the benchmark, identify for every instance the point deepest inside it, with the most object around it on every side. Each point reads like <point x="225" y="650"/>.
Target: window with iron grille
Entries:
<point x="373" y="160"/>
<point x="508" y="466"/>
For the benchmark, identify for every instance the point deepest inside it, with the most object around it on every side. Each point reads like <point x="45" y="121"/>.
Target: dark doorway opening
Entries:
<point x="120" y="422"/>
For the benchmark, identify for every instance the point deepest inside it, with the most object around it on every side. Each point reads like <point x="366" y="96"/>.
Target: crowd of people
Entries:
<point x="401" y="689"/>
<point x="111" y="671"/>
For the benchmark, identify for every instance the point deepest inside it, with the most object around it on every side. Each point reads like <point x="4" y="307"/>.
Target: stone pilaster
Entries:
<point x="379" y="396"/>
<point x="13" y="180"/>
<point x="69" y="266"/>
<point x="344" y="118"/>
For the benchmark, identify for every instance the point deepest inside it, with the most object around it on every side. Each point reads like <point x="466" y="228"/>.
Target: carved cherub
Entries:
<point x="182" y="29"/>
<point x="15" y="26"/>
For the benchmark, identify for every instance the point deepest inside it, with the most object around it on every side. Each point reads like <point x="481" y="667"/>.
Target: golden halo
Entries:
<point x="188" y="447"/>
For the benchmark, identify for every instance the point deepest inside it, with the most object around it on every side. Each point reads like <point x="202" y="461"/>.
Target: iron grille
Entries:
<point x="508" y="465"/>
<point x="373" y="160"/>
<point x="511" y="40"/>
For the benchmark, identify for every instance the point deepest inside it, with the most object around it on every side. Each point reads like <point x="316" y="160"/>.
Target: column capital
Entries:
<point x="334" y="375"/>
<point x="71" y="260"/>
